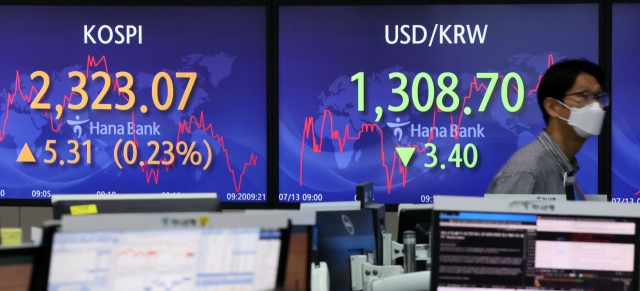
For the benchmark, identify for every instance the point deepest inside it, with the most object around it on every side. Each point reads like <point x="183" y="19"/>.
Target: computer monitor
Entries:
<point x="16" y="266"/>
<point x="137" y="203"/>
<point x="364" y="194"/>
<point x="338" y="236"/>
<point x="481" y="244"/>
<point x="43" y="256"/>
<point x="169" y="251"/>
<point x="298" y="267"/>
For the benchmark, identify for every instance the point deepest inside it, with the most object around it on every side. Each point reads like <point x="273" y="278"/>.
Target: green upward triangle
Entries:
<point x="405" y="154"/>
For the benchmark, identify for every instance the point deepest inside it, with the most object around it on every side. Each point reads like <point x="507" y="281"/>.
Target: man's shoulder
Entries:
<point x="528" y="170"/>
<point x="528" y="159"/>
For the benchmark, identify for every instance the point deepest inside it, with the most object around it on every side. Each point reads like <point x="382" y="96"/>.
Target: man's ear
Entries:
<point x="552" y="106"/>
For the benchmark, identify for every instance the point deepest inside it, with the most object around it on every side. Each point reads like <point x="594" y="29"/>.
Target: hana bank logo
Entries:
<point x="76" y="124"/>
<point x="397" y="128"/>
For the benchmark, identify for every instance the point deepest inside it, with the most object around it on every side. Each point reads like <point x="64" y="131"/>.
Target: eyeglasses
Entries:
<point x="589" y="97"/>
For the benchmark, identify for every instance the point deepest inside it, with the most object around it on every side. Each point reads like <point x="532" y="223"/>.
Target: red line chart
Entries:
<point x="309" y="132"/>
<point x="151" y="173"/>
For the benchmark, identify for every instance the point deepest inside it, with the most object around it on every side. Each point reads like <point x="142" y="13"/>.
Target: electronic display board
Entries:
<point x="625" y="125"/>
<point x="421" y="100"/>
<point x="111" y="100"/>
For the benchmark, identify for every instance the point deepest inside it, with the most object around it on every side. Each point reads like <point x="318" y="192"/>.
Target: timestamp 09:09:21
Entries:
<point x="246" y="197"/>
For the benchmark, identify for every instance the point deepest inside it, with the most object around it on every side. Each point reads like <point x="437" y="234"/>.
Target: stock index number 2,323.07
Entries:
<point x="124" y="90"/>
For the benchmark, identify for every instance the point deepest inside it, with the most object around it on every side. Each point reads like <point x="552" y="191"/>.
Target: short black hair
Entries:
<point x="561" y="76"/>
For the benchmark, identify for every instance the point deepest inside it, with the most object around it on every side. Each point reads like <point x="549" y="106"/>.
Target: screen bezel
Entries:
<point x="604" y="60"/>
<point x="608" y="38"/>
<point x="435" y="241"/>
<point x="38" y="202"/>
<point x="604" y="141"/>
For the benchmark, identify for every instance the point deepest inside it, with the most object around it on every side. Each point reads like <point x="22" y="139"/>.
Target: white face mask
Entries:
<point x="586" y="121"/>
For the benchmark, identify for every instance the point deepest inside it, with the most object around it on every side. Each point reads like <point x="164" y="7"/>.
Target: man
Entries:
<point x="571" y="100"/>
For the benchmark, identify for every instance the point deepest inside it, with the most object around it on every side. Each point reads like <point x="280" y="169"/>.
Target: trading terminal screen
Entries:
<point x="491" y="251"/>
<point x="207" y="259"/>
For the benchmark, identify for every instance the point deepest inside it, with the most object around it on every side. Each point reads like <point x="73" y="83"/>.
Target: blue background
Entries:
<point x="625" y="129"/>
<point x="226" y="46"/>
<point x="320" y="48"/>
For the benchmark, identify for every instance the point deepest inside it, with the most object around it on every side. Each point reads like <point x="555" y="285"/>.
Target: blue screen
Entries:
<point x="625" y="129"/>
<point x="196" y="122"/>
<point x="361" y="86"/>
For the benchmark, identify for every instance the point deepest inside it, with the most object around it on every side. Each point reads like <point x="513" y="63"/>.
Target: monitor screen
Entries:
<point x="625" y="133"/>
<point x="178" y="259"/>
<point x="16" y="266"/>
<point x="498" y="251"/>
<point x="417" y="98"/>
<point x="111" y="100"/>
<point x="340" y="235"/>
